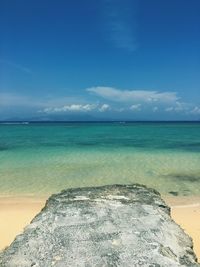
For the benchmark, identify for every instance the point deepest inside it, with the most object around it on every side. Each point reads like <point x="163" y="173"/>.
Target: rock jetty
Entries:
<point x="114" y="225"/>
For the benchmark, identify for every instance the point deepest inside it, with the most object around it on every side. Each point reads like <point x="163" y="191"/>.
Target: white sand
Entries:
<point x="186" y="212"/>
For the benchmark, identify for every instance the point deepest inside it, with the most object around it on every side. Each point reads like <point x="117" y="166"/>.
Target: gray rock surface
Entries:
<point x="116" y="225"/>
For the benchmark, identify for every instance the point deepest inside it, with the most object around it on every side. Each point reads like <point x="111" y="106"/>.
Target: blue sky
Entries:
<point x="106" y="59"/>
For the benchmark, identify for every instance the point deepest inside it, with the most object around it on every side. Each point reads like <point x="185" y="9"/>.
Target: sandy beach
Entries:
<point x="186" y="212"/>
<point x="16" y="213"/>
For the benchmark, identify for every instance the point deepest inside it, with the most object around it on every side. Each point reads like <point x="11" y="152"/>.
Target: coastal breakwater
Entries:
<point x="115" y="225"/>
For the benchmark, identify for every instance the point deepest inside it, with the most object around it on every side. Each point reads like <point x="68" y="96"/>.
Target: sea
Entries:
<point x="38" y="159"/>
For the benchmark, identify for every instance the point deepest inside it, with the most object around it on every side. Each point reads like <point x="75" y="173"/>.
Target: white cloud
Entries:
<point x="195" y="111"/>
<point x="179" y="107"/>
<point x="136" y="107"/>
<point x="127" y="96"/>
<point x="121" y="101"/>
<point x="120" y="109"/>
<point x="77" y="108"/>
<point x="71" y="108"/>
<point x="104" y="108"/>
<point x="169" y="109"/>
<point x="155" y="109"/>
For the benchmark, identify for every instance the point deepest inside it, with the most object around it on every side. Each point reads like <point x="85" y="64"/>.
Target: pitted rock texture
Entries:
<point x="116" y="225"/>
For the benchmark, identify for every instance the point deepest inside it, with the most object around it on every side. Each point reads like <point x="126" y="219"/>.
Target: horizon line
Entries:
<point x="95" y="121"/>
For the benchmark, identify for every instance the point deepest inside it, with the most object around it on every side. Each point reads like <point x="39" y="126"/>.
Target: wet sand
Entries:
<point x="16" y="213"/>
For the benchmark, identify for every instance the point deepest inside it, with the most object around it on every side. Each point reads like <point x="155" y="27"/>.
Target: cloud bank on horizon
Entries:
<point x="101" y="101"/>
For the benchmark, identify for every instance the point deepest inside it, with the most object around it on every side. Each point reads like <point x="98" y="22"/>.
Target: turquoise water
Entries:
<point x="44" y="158"/>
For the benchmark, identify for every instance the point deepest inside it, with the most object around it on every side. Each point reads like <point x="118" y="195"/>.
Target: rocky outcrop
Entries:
<point x="117" y="225"/>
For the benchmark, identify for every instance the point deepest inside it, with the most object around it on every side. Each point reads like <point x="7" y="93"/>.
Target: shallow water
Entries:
<point x="39" y="159"/>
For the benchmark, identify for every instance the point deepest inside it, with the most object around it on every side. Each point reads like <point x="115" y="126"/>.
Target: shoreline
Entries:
<point x="17" y="212"/>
